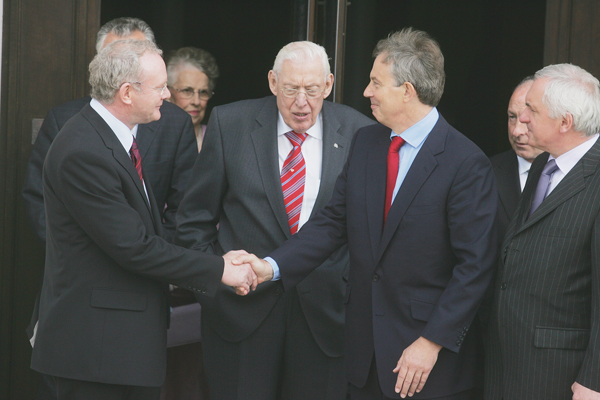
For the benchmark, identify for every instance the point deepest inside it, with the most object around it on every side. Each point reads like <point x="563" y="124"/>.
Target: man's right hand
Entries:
<point x="261" y="268"/>
<point x="239" y="275"/>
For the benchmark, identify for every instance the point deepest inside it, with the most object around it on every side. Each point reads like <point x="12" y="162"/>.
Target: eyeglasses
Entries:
<point x="188" y="93"/>
<point x="161" y="89"/>
<point x="292" y="93"/>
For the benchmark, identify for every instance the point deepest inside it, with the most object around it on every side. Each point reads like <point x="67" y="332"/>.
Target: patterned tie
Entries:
<point x="393" y="163"/>
<point x="136" y="158"/>
<point x="543" y="185"/>
<point x="292" y="180"/>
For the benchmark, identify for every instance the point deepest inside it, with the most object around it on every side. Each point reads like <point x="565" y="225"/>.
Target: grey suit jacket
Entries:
<point x="545" y="323"/>
<point x="103" y="306"/>
<point x="236" y="184"/>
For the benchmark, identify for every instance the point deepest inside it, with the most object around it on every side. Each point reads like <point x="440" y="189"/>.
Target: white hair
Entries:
<point x="299" y="52"/>
<point x="572" y="90"/>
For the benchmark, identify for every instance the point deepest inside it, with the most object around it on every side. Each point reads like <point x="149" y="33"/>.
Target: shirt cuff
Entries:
<point x="276" y="275"/>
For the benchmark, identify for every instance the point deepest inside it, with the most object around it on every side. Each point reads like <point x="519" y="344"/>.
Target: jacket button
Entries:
<point x="375" y="278"/>
<point x="277" y="292"/>
<point x="503" y="286"/>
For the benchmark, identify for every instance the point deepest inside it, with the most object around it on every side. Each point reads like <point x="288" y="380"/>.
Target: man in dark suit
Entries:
<point x="512" y="167"/>
<point x="421" y="233"/>
<point x="236" y="184"/>
<point x="103" y="308"/>
<point x="545" y="323"/>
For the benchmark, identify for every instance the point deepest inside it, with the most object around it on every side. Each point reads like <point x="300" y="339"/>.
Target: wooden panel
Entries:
<point x="573" y="34"/>
<point x="47" y="46"/>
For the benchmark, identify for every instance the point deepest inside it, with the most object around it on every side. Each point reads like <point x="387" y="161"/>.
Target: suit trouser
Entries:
<point x="280" y="360"/>
<point x="72" y="389"/>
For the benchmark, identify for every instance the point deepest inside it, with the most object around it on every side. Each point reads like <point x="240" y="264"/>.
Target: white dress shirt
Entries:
<point x="312" y="151"/>
<point x="524" y="166"/>
<point x="121" y="131"/>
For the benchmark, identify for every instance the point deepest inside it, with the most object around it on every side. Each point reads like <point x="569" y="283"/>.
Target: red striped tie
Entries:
<point x="393" y="163"/>
<point x="136" y="158"/>
<point x="292" y="180"/>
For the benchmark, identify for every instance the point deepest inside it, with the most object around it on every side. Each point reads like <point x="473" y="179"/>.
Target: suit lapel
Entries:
<point x="120" y="155"/>
<point x="264" y="139"/>
<point x="419" y="171"/>
<point x="572" y="183"/>
<point x="334" y="155"/>
<point x="375" y="187"/>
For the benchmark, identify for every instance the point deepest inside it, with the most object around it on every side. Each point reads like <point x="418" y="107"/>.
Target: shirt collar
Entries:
<point x="524" y="165"/>
<point x="315" y="131"/>
<point x="416" y="134"/>
<point x="123" y="133"/>
<point x="567" y="161"/>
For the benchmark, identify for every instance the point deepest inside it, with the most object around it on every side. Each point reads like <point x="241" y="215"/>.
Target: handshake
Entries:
<point x="244" y="271"/>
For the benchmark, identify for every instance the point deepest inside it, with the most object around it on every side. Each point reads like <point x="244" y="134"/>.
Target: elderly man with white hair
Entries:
<point x="265" y="167"/>
<point x="544" y="339"/>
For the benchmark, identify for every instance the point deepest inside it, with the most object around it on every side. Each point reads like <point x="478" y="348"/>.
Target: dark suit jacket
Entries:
<point x="167" y="146"/>
<point x="422" y="274"/>
<point x="103" y="308"/>
<point x="506" y="170"/>
<point x="545" y="325"/>
<point x="236" y="183"/>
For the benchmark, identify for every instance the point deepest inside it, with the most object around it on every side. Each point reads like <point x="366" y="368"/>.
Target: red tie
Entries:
<point x="393" y="162"/>
<point x="292" y="180"/>
<point x="136" y="158"/>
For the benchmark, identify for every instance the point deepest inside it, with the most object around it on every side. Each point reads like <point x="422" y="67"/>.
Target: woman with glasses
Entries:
<point x="192" y="77"/>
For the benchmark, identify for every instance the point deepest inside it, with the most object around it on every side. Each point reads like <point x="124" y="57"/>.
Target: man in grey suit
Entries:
<point x="296" y="337"/>
<point x="545" y="323"/>
<point x="511" y="168"/>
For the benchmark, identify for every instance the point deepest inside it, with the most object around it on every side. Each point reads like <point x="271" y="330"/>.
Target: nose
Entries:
<point x="368" y="92"/>
<point x="301" y="99"/>
<point x="524" y="116"/>
<point x="520" y="128"/>
<point x="166" y="94"/>
<point x="196" y="98"/>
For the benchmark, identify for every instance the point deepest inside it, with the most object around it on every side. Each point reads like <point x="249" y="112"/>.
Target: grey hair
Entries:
<point x="117" y="63"/>
<point x="572" y="90"/>
<point x="192" y="57"/>
<point x="416" y="58"/>
<point x="123" y="27"/>
<point x="303" y="51"/>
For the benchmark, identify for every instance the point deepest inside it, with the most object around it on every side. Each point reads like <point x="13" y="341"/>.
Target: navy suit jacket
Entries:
<point x="422" y="274"/>
<point x="506" y="170"/>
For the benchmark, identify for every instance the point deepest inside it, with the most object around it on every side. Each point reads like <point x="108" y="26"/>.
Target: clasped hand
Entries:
<point x="260" y="269"/>
<point x="238" y="275"/>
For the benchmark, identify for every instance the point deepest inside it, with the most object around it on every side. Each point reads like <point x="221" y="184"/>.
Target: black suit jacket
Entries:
<point x="506" y="170"/>
<point x="545" y="322"/>
<point x="103" y="309"/>
<point x="167" y="146"/>
<point x="236" y="183"/>
<point x="422" y="274"/>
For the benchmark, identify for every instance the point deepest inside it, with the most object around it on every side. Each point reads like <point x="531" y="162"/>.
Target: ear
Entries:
<point x="566" y="123"/>
<point x="125" y="93"/>
<point x="409" y="92"/>
<point x="328" y="86"/>
<point x="273" y="82"/>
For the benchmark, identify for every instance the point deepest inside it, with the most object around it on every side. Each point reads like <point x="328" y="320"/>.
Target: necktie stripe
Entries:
<point x="293" y="176"/>
<point x="136" y="158"/>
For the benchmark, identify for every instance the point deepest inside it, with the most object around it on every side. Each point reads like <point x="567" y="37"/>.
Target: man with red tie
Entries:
<point x="416" y="205"/>
<point x="266" y="166"/>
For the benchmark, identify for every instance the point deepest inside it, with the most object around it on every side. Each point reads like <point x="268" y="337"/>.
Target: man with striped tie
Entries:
<point x="266" y="166"/>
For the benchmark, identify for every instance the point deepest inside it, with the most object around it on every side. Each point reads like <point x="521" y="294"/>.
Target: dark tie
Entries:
<point x="543" y="185"/>
<point x="292" y="180"/>
<point x="136" y="158"/>
<point x="393" y="162"/>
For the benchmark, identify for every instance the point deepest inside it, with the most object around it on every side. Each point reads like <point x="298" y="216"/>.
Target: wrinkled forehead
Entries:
<point x="303" y="72"/>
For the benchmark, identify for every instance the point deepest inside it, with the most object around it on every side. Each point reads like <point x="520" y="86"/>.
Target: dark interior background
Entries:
<point x="489" y="46"/>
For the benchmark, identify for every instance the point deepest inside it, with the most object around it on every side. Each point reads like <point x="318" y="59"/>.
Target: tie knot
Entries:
<point x="397" y="142"/>
<point x="550" y="167"/>
<point x="296" y="138"/>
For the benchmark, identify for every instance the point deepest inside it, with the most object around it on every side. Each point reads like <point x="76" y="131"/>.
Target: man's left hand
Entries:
<point x="414" y="366"/>
<point x="580" y="392"/>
